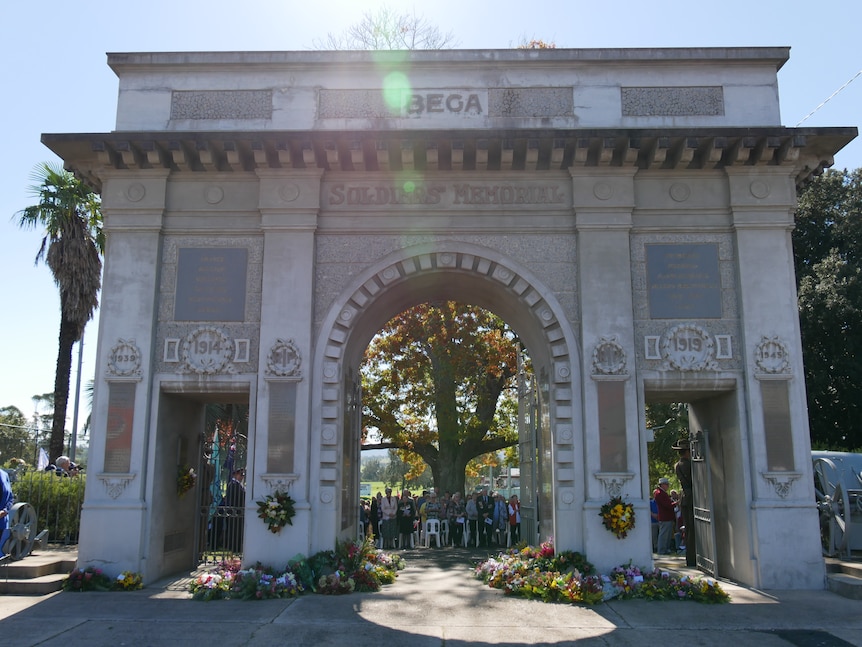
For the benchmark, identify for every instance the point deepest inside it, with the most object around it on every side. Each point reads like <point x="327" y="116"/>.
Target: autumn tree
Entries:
<point x="432" y="379"/>
<point x="827" y="248"/>
<point x="388" y="28"/>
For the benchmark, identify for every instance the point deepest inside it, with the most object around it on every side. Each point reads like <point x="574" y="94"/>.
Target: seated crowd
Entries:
<point x="481" y="519"/>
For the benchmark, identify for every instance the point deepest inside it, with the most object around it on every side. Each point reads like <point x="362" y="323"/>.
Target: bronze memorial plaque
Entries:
<point x="612" y="426"/>
<point x="282" y="423"/>
<point x="683" y="281"/>
<point x="211" y="284"/>
<point x="118" y="441"/>
<point x="776" y="425"/>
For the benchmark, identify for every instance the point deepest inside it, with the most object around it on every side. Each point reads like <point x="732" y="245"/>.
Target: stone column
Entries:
<point x="786" y="541"/>
<point x="114" y="523"/>
<point x="289" y="204"/>
<point x="603" y="204"/>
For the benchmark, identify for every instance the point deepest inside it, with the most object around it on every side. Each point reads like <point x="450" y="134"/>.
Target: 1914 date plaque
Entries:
<point x="683" y="281"/>
<point x="211" y="284"/>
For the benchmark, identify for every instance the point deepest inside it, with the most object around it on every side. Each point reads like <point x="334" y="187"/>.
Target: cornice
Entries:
<point x="802" y="151"/>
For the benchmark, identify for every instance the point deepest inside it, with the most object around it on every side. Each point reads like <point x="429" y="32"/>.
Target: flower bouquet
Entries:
<point x="276" y="510"/>
<point x="129" y="581"/>
<point x="186" y="479"/>
<point x="618" y="516"/>
<point x="88" y="579"/>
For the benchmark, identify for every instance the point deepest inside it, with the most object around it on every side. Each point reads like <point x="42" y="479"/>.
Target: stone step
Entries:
<point x="41" y="585"/>
<point x="844" y="577"/>
<point x="39" y="573"/>
<point x="33" y="566"/>
<point x="847" y="586"/>
<point x="848" y="568"/>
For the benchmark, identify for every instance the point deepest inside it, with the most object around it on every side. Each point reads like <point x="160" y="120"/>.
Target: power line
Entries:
<point x="825" y="101"/>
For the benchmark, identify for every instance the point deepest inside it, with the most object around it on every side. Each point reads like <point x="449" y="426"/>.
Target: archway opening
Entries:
<point x="442" y="383"/>
<point x="707" y="421"/>
<point x="470" y="274"/>
<point x="201" y="448"/>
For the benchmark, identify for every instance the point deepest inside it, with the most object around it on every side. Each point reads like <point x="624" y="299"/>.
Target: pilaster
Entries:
<point x="289" y="205"/>
<point x="603" y="203"/>
<point x="114" y="514"/>
<point x="762" y="201"/>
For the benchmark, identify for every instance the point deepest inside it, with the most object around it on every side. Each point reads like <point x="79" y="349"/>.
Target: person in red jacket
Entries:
<point x="666" y="516"/>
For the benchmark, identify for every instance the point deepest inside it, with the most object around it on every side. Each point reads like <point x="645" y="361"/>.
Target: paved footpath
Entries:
<point x="435" y="602"/>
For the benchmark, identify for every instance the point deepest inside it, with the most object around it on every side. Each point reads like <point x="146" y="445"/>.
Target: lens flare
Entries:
<point x="395" y="87"/>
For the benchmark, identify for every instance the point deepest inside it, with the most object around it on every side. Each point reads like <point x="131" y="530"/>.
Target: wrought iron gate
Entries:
<point x="221" y="498"/>
<point x="704" y="528"/>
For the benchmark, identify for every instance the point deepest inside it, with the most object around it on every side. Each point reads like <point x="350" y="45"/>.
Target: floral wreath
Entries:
<point x="277" y="510"/>
<point x="618" y="516"/>
<point x="186" y="479"/>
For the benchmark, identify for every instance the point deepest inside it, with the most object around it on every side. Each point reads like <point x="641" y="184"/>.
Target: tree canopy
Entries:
<point x="827" y="246"/>
<point x="433" y="379"/>
<point x="388" y="28"/>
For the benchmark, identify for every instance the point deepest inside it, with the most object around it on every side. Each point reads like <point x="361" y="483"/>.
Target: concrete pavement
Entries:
<point x="434" y="602"/>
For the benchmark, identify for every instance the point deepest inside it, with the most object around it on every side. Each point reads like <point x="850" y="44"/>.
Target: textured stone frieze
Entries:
<point x="357" y="104"/>
<point x="221" y="104"/>
<point x="673" y="102"/>
<point x="530" y="102"/>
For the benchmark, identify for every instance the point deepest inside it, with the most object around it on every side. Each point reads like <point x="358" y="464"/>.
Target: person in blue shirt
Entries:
<point x="7" y="499"/>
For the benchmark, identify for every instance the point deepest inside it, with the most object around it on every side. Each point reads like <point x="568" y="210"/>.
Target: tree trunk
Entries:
<point x="56" y="446"/>
<point x="450" y="475"/>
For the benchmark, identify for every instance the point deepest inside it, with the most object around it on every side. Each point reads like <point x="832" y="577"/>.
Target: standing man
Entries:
<point x="389" y="515"/>
<point x="666" y="516"/>
<point x="686" y="501"/>
<point x="234" y="510"/>
<point x="485" y="508"/>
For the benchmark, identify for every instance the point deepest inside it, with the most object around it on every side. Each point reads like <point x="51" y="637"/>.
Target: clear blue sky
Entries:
<point x="55" y="80"/>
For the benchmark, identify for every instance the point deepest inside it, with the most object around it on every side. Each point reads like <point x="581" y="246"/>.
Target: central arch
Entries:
<point x="445" y="270"/>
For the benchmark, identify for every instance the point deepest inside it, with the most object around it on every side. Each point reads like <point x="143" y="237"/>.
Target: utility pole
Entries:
<point x="74" y="441"/>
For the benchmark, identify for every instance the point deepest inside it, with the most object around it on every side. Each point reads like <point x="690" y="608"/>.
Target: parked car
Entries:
<point x="838" y="487"/>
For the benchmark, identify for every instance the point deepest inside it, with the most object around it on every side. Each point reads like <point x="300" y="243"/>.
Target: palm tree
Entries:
<point x="70" y="213"/>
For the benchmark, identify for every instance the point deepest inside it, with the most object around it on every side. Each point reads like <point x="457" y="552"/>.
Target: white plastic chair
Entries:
<point x="444" y="531"/>
<point x="432" y="529"/>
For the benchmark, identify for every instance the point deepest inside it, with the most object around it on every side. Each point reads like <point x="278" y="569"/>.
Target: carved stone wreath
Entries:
<point x="609" y="358"/>
<point x="207" y="351"/>
<point x="284" y="359"/>
<point x="125" y="359"/>
<point x="771" y="356"/>
<point x="688" y="347"/>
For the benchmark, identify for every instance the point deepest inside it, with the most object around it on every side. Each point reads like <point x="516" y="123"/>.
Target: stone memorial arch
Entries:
<point x="628" y="212"/>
